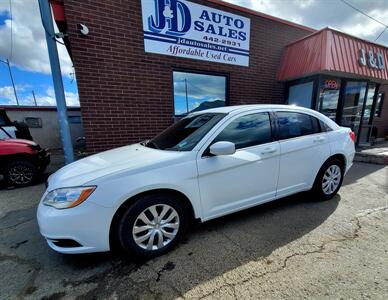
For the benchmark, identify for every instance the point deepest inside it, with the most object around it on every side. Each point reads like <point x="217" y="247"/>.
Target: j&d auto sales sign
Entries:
<point x="185" y="29"/>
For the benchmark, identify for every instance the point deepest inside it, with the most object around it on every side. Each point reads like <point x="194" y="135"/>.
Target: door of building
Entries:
<point x="367" y="117"/>
<point x="353" y="102"/>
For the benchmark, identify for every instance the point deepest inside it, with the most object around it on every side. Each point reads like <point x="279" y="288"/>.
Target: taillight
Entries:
<point x="352" y="136"/>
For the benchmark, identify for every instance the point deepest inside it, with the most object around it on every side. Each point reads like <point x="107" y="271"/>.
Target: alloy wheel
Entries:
<point x="20" y="174"/>
<point x="156" y="227"/>
<point x="331" y="179"/>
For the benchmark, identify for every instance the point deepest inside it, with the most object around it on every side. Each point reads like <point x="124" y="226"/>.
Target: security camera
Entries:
<point x="83" y="29"/>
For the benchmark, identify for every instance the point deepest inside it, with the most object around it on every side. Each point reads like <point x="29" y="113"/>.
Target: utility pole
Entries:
<point x="10" y="75"/>
<point x="47" y="22"/>
<point x="187" y="100"/>
<point x="33" y="95"/>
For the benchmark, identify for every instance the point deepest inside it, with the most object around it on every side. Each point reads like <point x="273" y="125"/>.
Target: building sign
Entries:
<point x="185" y="29"/>
<point x="371" y="59"/>
<point x="331" y="84"/>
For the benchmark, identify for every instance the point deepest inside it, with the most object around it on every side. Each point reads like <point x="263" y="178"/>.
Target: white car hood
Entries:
<point x="127" y="158"/>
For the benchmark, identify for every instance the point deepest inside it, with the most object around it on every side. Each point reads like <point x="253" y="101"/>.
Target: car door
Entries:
<point x="249" y="176"/>
<point x="304" y="147"/>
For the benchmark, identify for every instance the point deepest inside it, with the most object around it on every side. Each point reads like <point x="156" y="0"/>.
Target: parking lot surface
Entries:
<point x="288" y="249"/>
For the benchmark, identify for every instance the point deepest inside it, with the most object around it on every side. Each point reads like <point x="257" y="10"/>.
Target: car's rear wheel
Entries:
<point x="20" y="173"/>
<point x="329" y="179"/>
<point x="152" y="225"/>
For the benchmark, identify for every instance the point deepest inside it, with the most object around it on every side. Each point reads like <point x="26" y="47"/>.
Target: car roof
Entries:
<point x="236" y="109"/>
<point x="248" y="107"/>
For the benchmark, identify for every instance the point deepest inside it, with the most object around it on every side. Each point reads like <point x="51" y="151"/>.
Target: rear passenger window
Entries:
<point x="292" y="124"/>
<point x="325" y="127"/>
<point x="316" y="125"/>
<point x="246" y="131"/>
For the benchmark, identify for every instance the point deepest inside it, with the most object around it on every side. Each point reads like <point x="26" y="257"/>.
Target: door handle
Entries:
<point x="319" y="139"/>
<point x="268" y="150"/>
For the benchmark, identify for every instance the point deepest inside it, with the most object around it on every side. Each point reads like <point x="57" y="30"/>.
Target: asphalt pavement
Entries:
<point x="289" y="249"/>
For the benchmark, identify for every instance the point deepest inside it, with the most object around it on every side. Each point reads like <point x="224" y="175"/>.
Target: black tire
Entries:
<point x="126" y="224"/>
<point x="26" y="170"/>
<point x="318" y="189"/>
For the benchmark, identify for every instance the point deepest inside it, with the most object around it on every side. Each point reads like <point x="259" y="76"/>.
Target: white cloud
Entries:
<point x="366" y="29"/>
<point x="322" y="13"/>
<point x="7" y="95"/>
<point x="25" y="97"/>
<point x="49" y="98"/>
<point x="199" y="85"/>
<point x="304" y="3"/>
<point x="29" y="49"/>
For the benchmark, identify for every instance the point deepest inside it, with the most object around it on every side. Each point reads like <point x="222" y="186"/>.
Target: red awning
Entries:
<point x="60" y="19"/>
<point x="58" y="10"/>
<point x="330" y="51"/>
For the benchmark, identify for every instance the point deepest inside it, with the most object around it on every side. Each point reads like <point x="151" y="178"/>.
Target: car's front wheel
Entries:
<point x="329" y="179"/>
<point x="20" y="173"/>
<point x="152" y="225"/>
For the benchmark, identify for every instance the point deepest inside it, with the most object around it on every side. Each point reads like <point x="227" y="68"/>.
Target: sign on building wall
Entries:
<point x="371" y="59"/>
<point x="185" y="29"/>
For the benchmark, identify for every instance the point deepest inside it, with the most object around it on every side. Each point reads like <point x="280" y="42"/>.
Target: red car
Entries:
<point x="22" y="161"/>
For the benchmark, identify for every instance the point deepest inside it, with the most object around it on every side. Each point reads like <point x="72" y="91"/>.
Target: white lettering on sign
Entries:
<point x="185" y="29"/>
<point x="371" y="59"/>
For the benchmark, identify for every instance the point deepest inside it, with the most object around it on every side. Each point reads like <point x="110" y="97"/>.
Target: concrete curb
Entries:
<point x="379" y="159"/>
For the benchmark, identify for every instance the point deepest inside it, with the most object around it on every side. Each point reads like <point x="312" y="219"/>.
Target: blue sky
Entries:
<point x="3" y="16"/>
<point x="200" y="88"/>
<point x="26" y="82"/>
<point x="29" y="58"/>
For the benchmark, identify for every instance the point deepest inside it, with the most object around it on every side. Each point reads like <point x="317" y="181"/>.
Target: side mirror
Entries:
<point x="222" y="148"/>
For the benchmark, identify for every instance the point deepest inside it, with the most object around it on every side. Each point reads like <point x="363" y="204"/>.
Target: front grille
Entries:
<point x="66" y="243"/>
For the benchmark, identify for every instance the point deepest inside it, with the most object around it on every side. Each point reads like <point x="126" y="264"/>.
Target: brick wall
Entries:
<point x="126" y="94"/>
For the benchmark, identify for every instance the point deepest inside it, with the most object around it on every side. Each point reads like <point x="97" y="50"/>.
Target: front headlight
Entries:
<point x="68" y="197"/>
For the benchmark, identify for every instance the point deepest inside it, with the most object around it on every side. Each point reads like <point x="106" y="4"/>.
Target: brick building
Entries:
<point x="144" y="63"/>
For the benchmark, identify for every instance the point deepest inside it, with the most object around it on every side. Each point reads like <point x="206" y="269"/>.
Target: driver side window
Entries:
<point x="246" y="131"/>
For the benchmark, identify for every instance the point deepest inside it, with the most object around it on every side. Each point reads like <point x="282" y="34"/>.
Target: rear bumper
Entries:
<point x="349" y="161"/>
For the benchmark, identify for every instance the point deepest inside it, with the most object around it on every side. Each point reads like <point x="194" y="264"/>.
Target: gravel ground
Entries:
<point x="288" y="249"/>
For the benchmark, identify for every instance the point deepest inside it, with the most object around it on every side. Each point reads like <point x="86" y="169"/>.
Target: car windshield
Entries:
<point x="186" y="133"/>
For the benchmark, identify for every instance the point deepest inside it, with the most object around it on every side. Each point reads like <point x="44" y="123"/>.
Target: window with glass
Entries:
<point x="301" y="94"/>
<point x="196" y="92"/>
<point x="186" y="133"/>
<point x="247" y="131"/>
<point x="379" y="104"/>
<point x="366" y="125"/>
<point x="353" y="103"/>
<point x="369" y="103"/>
<point x="329" y="90"/>
<point x="292" y="124"/>
<point x="33" y="122"/>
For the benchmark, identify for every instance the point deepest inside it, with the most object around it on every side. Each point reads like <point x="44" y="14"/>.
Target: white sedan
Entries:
<point x="143" y="197"/>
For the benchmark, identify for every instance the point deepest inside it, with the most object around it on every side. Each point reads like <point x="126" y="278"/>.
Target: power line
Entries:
<point x="370" y="17"/>
<point x="364" y="13"/>
<point x="381" y="33"/>
<point x="11" y="15"/>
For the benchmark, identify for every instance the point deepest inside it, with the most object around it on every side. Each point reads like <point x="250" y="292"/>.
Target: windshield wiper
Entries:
<point x="151" y="144"/>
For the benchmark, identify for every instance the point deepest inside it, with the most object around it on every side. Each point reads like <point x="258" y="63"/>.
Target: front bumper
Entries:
<point x="87" y="225"/>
